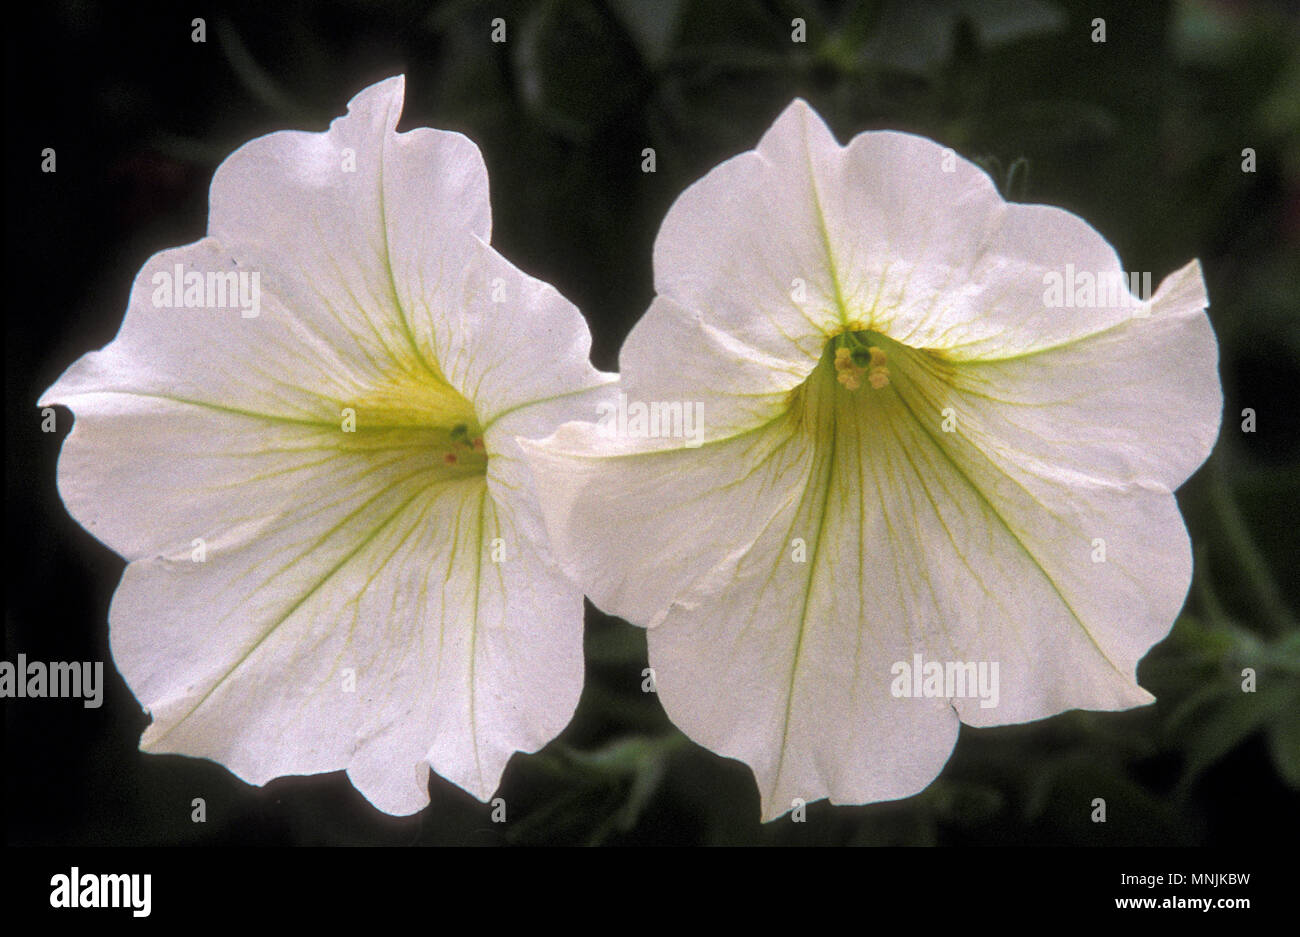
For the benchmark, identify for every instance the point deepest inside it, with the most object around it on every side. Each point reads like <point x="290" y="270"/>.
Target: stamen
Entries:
<point x="877" y="373"/>
<point x="851" y="363"/>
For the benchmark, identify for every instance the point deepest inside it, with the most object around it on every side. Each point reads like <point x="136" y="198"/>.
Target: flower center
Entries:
<point x="464" y="447"/>
<point x="419" y="409"/>
<point x="855" y="356"/>
<point x="862" y="380"/>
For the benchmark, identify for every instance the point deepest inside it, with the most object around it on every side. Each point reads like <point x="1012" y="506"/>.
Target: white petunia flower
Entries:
<point x="303" y="440"/>
<point x="934" y="479"/>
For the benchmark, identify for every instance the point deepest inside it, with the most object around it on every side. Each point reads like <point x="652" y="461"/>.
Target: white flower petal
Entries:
<point x="301" y="597"/>
<point x="357" y="227"/>
<point x="878" y="235"/>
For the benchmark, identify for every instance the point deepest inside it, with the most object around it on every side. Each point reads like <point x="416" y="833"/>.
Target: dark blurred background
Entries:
<point x="1142" y="135"/>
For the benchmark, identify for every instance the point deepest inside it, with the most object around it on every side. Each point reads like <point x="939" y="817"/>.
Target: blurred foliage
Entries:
<point x="1142" y="135"/>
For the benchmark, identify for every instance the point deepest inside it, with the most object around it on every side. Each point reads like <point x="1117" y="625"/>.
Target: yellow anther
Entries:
<point x="849" y="373"/>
